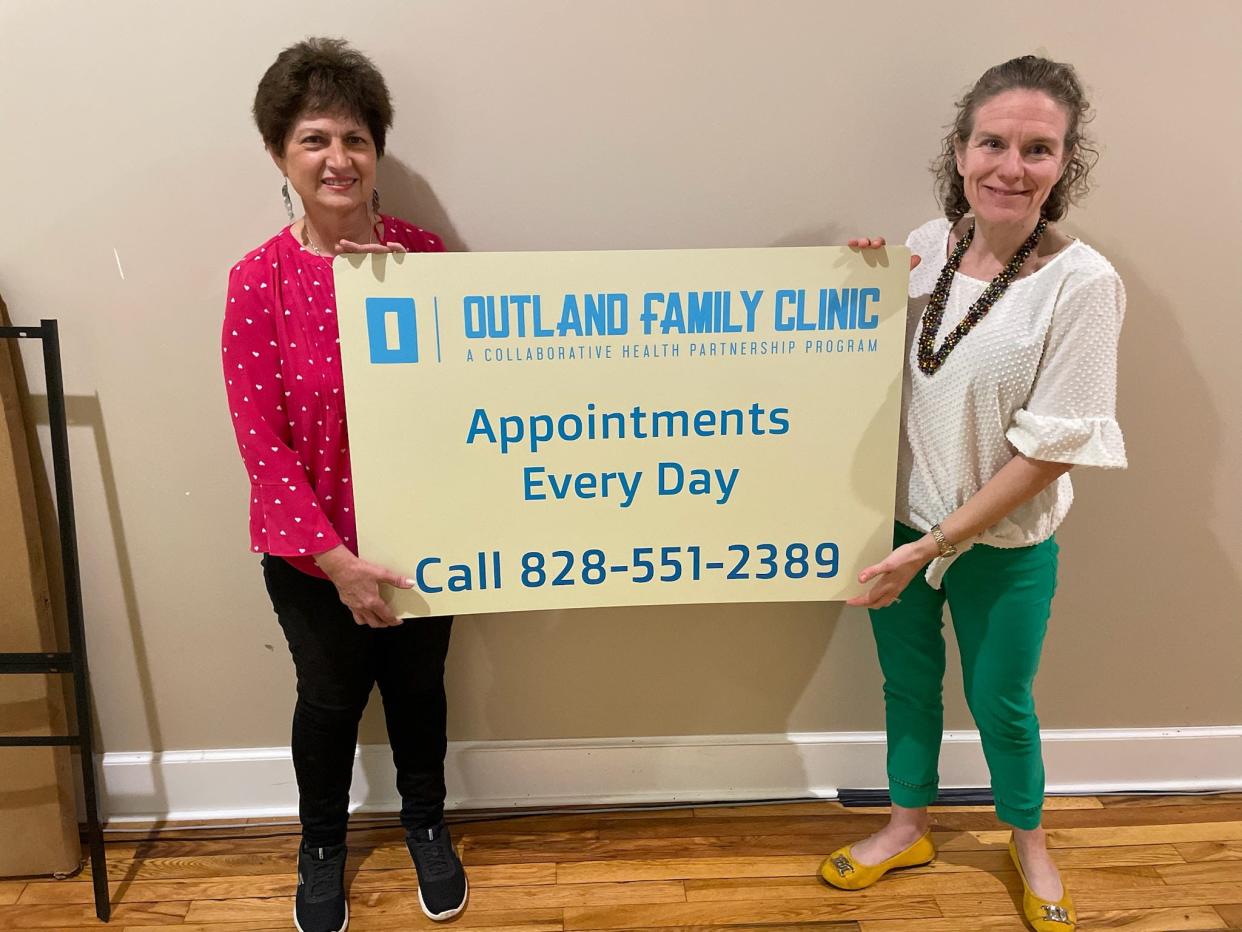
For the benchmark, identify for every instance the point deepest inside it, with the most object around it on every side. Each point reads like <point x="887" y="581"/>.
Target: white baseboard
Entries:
<point x="258" y="782"/>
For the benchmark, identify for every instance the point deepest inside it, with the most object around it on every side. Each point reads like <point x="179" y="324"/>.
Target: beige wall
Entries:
<point x="562" y="125"/>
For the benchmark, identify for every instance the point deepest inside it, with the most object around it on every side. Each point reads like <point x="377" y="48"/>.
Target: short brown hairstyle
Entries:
<point x="321" y="76"/>
<point x="1060" y="82"/>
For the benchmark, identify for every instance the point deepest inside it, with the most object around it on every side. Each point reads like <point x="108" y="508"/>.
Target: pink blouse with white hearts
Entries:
<point x="282" y="372"/>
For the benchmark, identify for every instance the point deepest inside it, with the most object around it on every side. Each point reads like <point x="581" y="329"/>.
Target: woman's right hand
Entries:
<point x="357" y="583"/>
<point x="349" y="246"/>
<point x="875" y="242"/>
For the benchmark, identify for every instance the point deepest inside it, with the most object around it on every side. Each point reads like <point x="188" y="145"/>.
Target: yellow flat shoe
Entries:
<point x="1044" y="915"/>
<point x="842" y="871"/>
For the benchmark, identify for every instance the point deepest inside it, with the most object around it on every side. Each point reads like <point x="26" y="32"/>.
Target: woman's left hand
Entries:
<point x="892" y="575"/>
<point x="877" y="242"/>
<point x="347" y="246"/>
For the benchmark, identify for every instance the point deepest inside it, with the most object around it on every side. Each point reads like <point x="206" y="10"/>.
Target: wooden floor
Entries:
<point x="1159" y="864"/>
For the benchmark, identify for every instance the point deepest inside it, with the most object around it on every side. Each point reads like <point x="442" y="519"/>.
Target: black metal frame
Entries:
<point x="74" y="661"/>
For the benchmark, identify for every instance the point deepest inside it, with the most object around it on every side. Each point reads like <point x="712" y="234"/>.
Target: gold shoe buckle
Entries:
<point x="1055" y="913"/>
<point x="843" y="865"/>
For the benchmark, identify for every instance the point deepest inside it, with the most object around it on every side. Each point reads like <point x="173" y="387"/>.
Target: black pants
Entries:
<point x="337" y="663"/>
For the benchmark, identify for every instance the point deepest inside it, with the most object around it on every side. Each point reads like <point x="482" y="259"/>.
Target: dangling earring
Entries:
<point x="377" y="222"/>
<point x="284" y="189"/>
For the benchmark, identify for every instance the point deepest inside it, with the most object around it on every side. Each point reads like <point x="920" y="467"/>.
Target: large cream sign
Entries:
<point x="571" y="429"/>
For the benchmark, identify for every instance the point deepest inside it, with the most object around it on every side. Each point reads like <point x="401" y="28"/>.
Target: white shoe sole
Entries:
<point x="448" y="913"/>
<point x="297" y="925"/>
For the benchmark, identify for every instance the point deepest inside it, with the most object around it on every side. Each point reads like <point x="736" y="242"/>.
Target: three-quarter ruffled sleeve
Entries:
<point x="1070" y="416"/>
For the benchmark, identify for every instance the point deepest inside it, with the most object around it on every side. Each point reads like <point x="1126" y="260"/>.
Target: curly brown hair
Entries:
<point x="321" y="76"/>
<point x="1060" y="82"/>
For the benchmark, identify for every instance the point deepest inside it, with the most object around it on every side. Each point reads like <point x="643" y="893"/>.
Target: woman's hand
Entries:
<point x="357" y="583"/>
<point x="893" y="574"/>
<point x="346" y="246"/>
<point x="875" y="242"/>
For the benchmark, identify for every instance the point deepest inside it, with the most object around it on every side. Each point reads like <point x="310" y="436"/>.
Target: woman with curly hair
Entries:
<point x="324" y="112"/>
<point x="1010" y="382"/>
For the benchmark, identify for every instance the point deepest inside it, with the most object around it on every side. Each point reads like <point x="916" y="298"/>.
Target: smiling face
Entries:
<point x="1014" y="156"/>
<point x="330" y="161"/>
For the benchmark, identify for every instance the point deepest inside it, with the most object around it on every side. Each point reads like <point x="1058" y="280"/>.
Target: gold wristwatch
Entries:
<point x="946" y="548"/>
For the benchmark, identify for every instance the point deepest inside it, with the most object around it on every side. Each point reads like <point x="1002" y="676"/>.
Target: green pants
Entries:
<point x="999" y="600"/>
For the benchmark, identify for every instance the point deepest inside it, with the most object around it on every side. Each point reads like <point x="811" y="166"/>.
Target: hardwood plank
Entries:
<point x="544" y="824"/>
<point x="463" y="923"/>
<point x="10" y="891"/>
<point x="490" y="922"/>
<point x="1140" y="879"/>
<point x="859" y="905"/>
<point x="481" y="878"/>
<point x="1053" y="803"/>
<point x="1162" y="815"/>
<point x="515" y="837"/>
<point x="1211" y="850"/>
<point x="651" y="848"/>
<point x="256" y="910"/>
<point x="849" y="824"/>
<point x="997" y="859"/>
<point x="1147" y="800"/>
<point x="810" y="807"/>
<point x="1135" y="920"/>
<point x="1232" y="915"/>
<point x="1202" y="872"/>
<point x="158" y="891"/>
<point x="685" y="868"/>
<point x="1104" y="835"/>
<point x="1009" y="923"/>
<point x="192" y="868"/>
<point x="797" y="888"/>
<point x="386" y="911"/>
<point x="765" y="927"/>
<point x="582" y="894"/>
<point x="1169" y="896"/>
<point x="1191" y="919"/>
<point x="62" y="917"/>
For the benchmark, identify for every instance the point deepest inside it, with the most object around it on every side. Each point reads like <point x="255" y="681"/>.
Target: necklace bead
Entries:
<point x="930" y="358"/>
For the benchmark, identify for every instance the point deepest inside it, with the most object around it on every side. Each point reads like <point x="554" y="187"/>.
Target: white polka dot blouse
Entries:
<point x="1037" y="376"/>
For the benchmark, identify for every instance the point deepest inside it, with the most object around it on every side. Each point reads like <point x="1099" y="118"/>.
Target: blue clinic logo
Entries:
<point x="404" y="346"/>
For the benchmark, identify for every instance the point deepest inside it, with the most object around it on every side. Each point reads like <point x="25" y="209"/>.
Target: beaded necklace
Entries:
<point x="930" y="358"/>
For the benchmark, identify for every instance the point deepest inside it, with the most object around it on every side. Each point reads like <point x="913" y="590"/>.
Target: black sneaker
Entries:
<point x="442" y="883"/>
<point x="320" y="905"/>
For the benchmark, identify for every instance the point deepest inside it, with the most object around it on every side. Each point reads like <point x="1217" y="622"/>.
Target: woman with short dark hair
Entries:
<point x="323" y="111"/>
<point x="1010" y="382"/>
